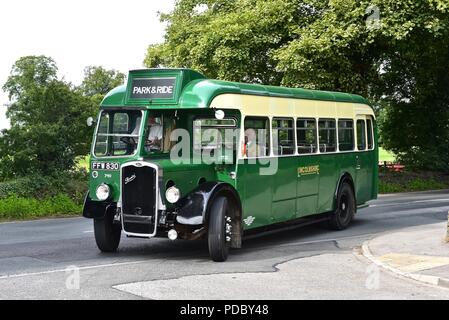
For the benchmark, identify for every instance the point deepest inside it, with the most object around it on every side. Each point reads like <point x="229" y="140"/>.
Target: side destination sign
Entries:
<point x="153" y="88"/>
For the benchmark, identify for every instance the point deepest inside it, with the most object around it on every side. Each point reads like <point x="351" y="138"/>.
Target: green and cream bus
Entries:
<point x="180" y="156"/>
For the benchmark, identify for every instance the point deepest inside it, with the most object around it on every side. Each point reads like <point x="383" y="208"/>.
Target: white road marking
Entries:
<point x="40" y="220"/>
<point x="88" y="231"/>
<point x="407" y="203"/>
<point x="65" y="269"/>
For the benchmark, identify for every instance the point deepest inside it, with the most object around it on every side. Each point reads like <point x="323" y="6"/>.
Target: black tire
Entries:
<point x="345" y="211"/>
<point x="107" y="233"/>
<point x="218" y="246"/>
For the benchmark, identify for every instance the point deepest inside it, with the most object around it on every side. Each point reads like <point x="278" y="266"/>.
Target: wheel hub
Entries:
<point x="228" y="229"/>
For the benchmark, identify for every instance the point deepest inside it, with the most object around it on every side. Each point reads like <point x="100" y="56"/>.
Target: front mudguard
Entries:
<point x="193" y="208"/>
<point x="97" y="209"/>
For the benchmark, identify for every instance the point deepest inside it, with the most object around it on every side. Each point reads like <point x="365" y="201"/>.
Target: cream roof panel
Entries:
<point x="287" y="107"/>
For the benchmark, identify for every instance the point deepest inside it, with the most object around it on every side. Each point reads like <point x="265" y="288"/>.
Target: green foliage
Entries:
<point x="413" y="185"/>
<point x="400" y="63"/>
<point x="99" y="81"/>
<point x="232" y="40"/>
<point x="47" y="118"/>
<point x="73" y="184"/>
<point x="15" y="207"/>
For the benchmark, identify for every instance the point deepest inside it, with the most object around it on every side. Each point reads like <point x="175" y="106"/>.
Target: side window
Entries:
<point x="283" y="136"/>
<point x="327" y="135"/>
<point x="346" y="135"/>
<point x="306" y="135"/>
<point x="369" y="129"/>
<point x="101" y="144"/>
<point x="257" y="137"/>
<point x="213" y="134"/>
<point x="361" y="136"/>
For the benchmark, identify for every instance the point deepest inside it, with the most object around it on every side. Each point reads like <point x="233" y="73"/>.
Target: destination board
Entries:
<point x="153" y="88"/>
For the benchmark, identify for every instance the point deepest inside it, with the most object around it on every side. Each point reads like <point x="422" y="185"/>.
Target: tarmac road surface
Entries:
<point x="42" y="260"/>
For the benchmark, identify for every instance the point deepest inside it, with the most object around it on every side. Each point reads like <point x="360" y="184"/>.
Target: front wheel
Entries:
<point x="345" y="211"/>
<point x="107" y="233"/>
<point x="219" y="230"/>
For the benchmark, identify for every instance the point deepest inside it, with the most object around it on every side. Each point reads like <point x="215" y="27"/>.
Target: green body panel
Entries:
<point x="256" y="192"/>
<point x="290" y="194"/>
<point x="307" y="186"/>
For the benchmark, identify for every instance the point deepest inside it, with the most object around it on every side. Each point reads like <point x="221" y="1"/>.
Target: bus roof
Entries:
<point x="187" y="89"/>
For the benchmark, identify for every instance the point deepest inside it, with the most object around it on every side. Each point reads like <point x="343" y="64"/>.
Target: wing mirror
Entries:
<point x="90" y="122"/>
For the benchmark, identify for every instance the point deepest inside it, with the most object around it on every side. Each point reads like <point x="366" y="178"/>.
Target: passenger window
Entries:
<point x="283" y="137"/>
<point x="369" y="128"/>
<point x="345" y="135"/>
<point x="327" y="135"/>
<point x="361" y="136"/>
<point x="257" y="137"/>
<point x="214" y="134"/>
<point x="306" y="135"/>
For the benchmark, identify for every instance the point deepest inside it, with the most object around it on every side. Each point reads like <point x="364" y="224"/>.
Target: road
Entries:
<point x="37" y="261"/>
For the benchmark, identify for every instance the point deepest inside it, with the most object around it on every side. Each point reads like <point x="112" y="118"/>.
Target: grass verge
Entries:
<point x="407" y="181"/>
<point x="385" y="155"/>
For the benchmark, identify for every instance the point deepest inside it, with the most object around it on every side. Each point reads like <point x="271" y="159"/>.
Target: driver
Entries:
<point x="154" y="139"/>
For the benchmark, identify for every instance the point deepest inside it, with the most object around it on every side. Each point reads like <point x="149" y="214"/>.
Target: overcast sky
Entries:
<point x="110" y="33"/>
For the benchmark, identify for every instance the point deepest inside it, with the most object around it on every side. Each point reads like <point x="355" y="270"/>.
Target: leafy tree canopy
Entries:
<point x="47" y="118"/>
<point x="99" y="81"/>
<point x="393" y="52"/>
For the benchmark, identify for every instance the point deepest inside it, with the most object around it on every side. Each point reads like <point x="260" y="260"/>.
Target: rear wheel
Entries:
<point x="107" y="233"/>
<point x="219" y="229"/>
<point x="345" y="211"/>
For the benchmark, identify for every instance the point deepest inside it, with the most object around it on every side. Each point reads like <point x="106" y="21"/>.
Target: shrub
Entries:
<point x="16" y="207"/>
<point x="73" y="184"/>
<point x="416" y="184"/>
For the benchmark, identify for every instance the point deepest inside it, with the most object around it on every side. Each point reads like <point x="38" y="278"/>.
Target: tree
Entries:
<point x="47" y="118"/>
<point x="99" y="81"/>
<point x="231" y="40"/>
<point x="399" y="61"/>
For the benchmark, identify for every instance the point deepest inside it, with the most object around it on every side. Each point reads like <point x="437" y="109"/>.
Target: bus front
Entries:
<point x="134" y="186"/>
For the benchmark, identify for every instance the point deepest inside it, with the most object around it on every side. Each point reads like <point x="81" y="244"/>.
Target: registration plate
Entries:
<point x="112" y="166"/>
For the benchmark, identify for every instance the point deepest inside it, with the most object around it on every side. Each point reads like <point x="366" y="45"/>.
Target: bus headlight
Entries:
<point x="172" y="194"/>
<point x="103" y="192"/>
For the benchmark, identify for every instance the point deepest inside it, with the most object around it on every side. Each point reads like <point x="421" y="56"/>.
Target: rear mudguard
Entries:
<point x="96" y="209"/>
<point x="193" y="208"/>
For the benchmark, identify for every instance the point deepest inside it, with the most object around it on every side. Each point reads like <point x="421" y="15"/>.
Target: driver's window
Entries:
<point x="121" y="123"/>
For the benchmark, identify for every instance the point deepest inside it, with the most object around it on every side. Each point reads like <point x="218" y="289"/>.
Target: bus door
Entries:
<point x="254" y="182"/>
<point x="363" y="165"/>
<point x="284" y="168"/>
<point x="308" y="167"/>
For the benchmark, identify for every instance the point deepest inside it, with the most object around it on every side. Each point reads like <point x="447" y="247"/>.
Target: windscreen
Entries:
<point x="118" y="133"/>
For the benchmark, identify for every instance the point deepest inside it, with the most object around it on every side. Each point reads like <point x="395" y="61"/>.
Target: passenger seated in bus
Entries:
<point x="252" y="149"/>
<point x="153" y="142"/>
